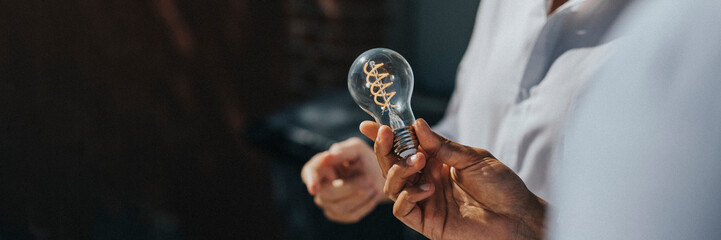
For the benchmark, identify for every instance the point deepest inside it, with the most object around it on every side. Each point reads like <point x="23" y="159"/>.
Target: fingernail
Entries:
<point x="310" y="182"/>
<point x="424" y="125"/>
<point x="411" y="160"/>
<point x="425" y="187"/>
<point x="337" y="182"/>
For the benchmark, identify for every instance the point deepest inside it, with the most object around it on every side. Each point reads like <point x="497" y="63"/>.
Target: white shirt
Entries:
<point x="642" y="155"/>
<point x="518" y="78"/>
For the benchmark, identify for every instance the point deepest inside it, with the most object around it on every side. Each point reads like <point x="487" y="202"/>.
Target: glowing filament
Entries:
<point x="377" y="87"/>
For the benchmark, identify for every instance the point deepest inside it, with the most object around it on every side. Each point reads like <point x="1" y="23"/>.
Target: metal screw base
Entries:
<point x="405" y="142"/>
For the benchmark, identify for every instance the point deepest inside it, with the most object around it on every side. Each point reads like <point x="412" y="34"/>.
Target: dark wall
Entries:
<point x="125" y="119"/>
<point x="433" y="36"/>
<point x="122" y="118"/>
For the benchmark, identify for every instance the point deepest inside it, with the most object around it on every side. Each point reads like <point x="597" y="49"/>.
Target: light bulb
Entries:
<point x="381" y="83"/>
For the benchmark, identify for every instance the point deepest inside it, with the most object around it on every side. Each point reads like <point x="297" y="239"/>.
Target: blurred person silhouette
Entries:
<point x="525" y="65"/>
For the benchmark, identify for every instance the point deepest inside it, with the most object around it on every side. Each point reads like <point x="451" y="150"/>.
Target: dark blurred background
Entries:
<point x="180" y="119"/>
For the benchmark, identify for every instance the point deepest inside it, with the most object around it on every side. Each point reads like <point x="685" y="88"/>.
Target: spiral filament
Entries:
<point x="377" y="87"/>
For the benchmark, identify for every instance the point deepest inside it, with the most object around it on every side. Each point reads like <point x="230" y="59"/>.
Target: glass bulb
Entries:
<point x="381" y="83"/>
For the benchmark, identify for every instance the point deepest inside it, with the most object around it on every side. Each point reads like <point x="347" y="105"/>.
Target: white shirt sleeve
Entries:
<point x="642" y="154"/>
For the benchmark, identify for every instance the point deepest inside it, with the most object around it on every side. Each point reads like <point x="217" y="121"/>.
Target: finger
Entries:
<point x="354" y="207"/>
<point x="341" y="188"/>
<point x="316" y="170"/>
<point x="406" y="208"/>
<point x="383" y="149"/>
<point x="347" y="151"/>
<point x="348" y="155"/>
<point x="448" y="152"/>
<point x="369" y="129"/>
<point x="403" y="174"/>
<point x="323" y="166"/>
<point x="384" y="140"/>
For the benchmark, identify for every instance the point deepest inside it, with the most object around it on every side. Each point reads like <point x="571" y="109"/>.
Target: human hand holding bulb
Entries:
<point x="462" y="192"/>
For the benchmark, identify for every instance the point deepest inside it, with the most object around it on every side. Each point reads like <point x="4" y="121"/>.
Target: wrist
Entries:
<point x="533" y="222"/>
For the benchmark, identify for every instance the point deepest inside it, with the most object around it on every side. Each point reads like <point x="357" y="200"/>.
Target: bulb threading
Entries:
<point x="405" y="142"/>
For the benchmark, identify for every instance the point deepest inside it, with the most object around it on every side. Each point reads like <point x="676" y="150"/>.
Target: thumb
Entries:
<point x="448" y="152"/>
